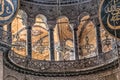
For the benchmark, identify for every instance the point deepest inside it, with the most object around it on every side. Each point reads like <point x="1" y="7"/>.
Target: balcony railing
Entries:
<point x="63" y="66"/>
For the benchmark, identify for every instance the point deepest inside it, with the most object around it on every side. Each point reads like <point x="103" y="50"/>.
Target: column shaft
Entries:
<point x="98" y="38"/>
<point x="9" y="34"/>
<point x="51" y="39"/>
<point x="29" y="43"/>
<point x="75" y="41"/>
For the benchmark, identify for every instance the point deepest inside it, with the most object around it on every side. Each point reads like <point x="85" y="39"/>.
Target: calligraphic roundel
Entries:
<point x="109" y="16"/>
<point x="8" y="10"/>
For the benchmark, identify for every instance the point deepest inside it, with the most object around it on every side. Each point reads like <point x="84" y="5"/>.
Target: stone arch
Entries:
<point x="41" y="20"/>
<point x="63" y="17"/>
<point x="20" y="22"/>
<point x="84" y="20"/>
<point x="23" y="15"/>
<point x="82" y="15"/>
<point x="86" y="28"/>
<point x="41" y="16"/>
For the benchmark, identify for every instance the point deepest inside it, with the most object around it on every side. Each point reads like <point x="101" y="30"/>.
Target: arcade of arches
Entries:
<point x="63" y="37"/>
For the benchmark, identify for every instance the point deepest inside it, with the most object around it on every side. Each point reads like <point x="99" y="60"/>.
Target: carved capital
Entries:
<point x="29" y="27"/>
<point x="51" y="25"/>
<point x="74" y="26"/>
<point x="30" y="21"/>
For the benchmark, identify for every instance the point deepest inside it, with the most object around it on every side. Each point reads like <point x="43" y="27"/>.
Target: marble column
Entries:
<point x="75" y="41"/>
<point x="30" y="23"/>
<point x="51" y="42"/>
<point x="98" y="36"/>
<point x="98" y="40"/>
<point x="9" y="34"/>
<point x="29" y="43"/>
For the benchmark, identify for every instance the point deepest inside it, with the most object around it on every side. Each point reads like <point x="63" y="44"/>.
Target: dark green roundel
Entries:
<point x="8" y="10"/>
<point x="109" y="16"/>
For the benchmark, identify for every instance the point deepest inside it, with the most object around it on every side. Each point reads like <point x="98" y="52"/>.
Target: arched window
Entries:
<point x="19" y="33"/>
<point x="40" y="42"/>
<point x="64" y="34"/>
<point x="87" y="37"/>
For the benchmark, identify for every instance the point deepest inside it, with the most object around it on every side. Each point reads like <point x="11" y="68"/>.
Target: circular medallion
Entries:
<point x="109" y="16"/>
<point x="8" y="10"/>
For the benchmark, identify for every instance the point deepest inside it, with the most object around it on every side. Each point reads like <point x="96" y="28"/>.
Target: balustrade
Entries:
<point x="63" y="66"/>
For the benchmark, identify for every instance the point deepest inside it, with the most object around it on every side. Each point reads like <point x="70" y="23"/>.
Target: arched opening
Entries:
<point x="87" y="37"/>
<point x="64" y="39"/>
<point x="19" y="33"/>
<point x="40" y="41"/>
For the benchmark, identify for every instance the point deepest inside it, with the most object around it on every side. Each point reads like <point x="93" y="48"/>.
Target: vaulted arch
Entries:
<point x="41" y="21"/>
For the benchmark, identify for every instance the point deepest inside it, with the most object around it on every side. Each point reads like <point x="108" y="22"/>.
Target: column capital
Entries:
<point x="28" y="27"/>
<point x="74" y="26"/>
<point x="30" y="21"/>
<point x="50" y="26"/>
<point x="96" y="21"/>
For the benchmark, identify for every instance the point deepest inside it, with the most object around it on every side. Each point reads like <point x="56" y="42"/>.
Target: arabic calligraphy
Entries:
<point x="109" y="16"/>
<point x="113" y="11"/>
<point x="7" y="10"/>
